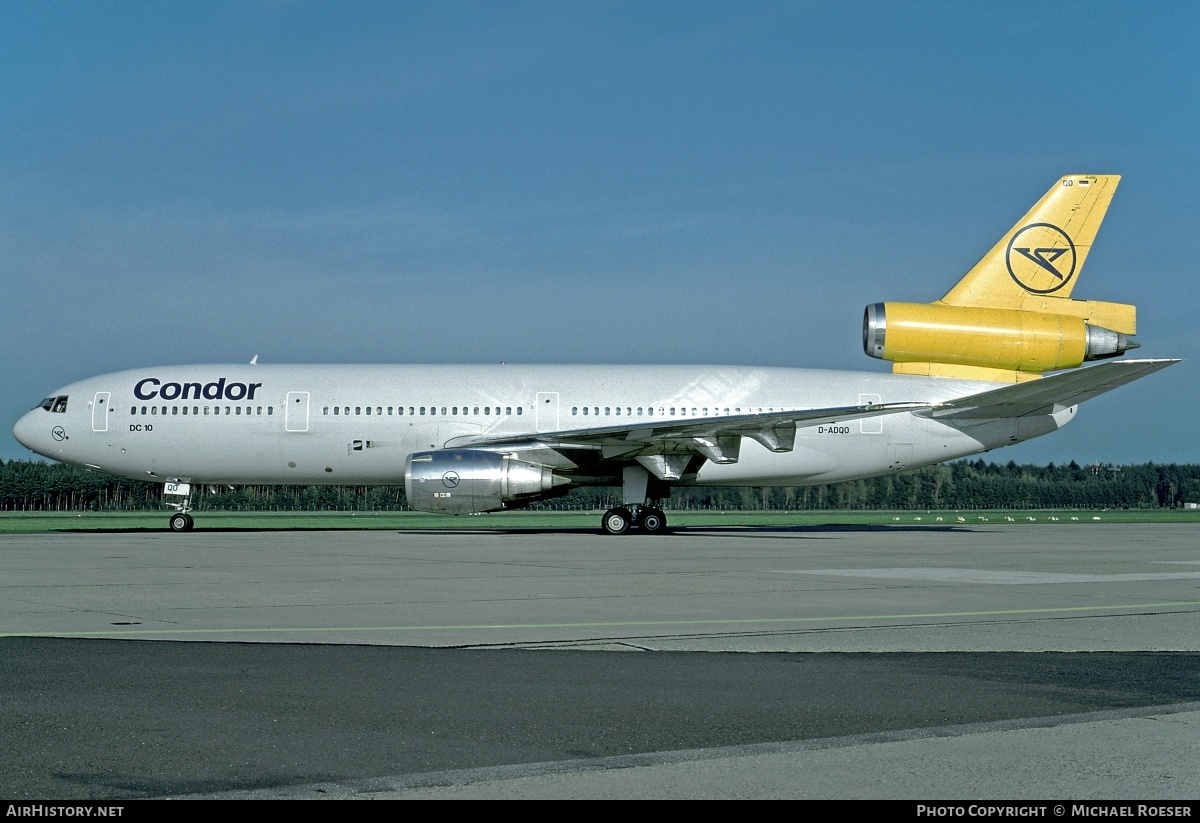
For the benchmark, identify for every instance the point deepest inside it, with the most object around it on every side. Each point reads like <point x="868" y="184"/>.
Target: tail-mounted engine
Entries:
<point x="468" y="481"/>
<point x="1009" y="339"/>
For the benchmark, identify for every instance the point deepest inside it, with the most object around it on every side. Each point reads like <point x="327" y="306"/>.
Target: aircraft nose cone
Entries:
<point x="28" y="433"/>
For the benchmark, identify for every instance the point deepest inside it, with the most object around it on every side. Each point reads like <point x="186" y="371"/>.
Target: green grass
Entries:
<point x="40" y="522"/>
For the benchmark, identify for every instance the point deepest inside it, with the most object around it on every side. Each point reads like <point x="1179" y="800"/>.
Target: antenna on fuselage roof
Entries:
<point x="254" y="360"/>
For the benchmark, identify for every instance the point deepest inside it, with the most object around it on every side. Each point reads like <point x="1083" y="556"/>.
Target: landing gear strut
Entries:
<point x="641" y="495"/>
<point x="181" y="521"/>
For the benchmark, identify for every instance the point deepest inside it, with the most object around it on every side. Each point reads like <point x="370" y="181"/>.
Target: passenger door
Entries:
<point x="100" y="411"/>
<point x="545" y="412"/>
<point x="295" y="416"/>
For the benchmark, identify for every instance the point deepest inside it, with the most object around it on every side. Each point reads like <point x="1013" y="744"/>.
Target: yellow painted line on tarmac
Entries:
<point x="756" y="621"/>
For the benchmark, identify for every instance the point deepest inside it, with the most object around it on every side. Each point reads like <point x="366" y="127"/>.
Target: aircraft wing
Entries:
<point x="1048" y="395"/>
<point x="717" y="438"/>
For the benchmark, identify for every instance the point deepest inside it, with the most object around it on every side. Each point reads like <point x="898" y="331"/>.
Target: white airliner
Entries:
<point x="967" y="377"/>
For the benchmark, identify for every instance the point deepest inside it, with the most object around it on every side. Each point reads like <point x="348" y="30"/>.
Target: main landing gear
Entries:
<point x="648" y="519"/>
<point x="646" y="516"/>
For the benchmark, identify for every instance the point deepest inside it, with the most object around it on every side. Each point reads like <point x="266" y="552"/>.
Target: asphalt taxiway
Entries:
<point x="940" y="661"/>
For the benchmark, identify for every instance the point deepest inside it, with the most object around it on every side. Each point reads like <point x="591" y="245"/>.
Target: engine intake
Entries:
<point x="1011" y="339"/>
<point x="470" y="481"/>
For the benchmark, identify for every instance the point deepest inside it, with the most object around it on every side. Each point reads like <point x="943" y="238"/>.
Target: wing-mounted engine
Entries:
<point x="453" y="481"/>
<point x="1029" y="342"/>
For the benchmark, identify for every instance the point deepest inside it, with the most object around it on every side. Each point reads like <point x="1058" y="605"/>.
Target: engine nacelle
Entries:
<point x="468" y="481"/>
<point x="1009" y="339"/>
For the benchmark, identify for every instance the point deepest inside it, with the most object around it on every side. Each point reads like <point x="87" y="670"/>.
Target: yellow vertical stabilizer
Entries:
<point x="1042" y="255"/>
<point x="1011" y="317"/>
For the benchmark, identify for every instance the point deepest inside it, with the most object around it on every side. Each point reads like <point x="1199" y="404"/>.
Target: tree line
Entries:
<point x="36" y="486"/>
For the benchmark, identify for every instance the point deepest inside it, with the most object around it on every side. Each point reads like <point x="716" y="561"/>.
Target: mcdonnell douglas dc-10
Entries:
<point x="967" y="376"/>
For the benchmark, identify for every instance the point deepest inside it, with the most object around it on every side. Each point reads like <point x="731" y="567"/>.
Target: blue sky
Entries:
<point x="597" y="182"/>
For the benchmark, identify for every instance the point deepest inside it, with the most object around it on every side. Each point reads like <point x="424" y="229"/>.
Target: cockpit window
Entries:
<point x="56" y="405"/>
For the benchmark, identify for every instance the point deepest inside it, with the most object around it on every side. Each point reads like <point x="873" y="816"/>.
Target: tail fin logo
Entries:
<point x="1041" y="258"/>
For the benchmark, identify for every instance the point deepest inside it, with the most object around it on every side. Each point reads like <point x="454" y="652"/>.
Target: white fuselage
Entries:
<point x="309" y="424"/>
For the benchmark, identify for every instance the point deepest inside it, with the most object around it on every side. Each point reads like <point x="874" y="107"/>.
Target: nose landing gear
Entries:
<point x="181" y="521"/>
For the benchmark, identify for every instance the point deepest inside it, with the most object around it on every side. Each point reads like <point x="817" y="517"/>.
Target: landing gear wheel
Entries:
<point x="181" y="522"/>
<point x="617" y="521"/>
<point x="653" y="521"/>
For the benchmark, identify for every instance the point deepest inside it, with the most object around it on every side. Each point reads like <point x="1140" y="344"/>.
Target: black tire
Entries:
<point x="180" y="523"/>
<point x="617" y="521"/>
<point x="653" y="521"/>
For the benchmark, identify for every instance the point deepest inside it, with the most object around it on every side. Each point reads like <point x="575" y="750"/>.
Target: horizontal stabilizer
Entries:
<point x="1048" y="395"/>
